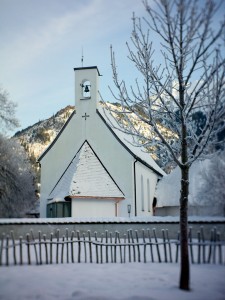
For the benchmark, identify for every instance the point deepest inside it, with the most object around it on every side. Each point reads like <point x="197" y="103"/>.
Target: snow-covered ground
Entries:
<point x="137" y="281"/>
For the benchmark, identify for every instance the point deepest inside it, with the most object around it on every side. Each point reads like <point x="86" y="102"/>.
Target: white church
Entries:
<point x="91" y="169"/>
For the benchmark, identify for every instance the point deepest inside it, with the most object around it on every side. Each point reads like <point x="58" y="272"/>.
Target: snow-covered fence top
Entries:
<point x="21" y="226"/>
<point x="150" y="219"/>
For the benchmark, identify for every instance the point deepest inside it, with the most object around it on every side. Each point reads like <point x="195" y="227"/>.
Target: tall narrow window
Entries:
<point x="142" y="194"/>
<point x="148" y="195"/>
<point x="86" y="89"/>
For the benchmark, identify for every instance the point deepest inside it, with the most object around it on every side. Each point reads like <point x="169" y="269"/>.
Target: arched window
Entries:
<point x="86" y="89"/>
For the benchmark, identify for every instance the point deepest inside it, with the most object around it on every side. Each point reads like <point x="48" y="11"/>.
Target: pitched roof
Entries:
<point x="86" y="177"/>
<point x="124" y="139"/>
<point x="139" y="153"/>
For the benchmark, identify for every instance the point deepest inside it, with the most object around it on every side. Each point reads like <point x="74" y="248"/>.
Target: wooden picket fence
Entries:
<point x="134" y="246"/>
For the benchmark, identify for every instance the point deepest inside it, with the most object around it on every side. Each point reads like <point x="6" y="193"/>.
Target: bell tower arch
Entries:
<point x="86" y="90"/>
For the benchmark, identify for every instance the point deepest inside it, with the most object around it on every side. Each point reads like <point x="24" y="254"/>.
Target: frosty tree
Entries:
<point x="8" y="121"/>
<point x="213" y="179"/>
<point x="184" y="92"/>
<point x="17" y="192"/>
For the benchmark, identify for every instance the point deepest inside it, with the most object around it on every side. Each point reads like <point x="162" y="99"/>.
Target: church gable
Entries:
<point x="86" y="177"/>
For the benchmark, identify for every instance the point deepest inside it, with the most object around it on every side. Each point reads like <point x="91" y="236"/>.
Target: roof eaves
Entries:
<point x="87" y="68"/>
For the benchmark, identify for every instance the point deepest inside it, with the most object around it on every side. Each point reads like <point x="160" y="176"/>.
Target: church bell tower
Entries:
<point x="86" y="90"/>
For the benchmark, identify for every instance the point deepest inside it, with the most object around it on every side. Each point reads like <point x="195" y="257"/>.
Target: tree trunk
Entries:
<point x="184" y="267"/>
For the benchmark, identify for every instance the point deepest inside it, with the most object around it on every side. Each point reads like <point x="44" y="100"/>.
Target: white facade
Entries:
<point x="133" y="174"/>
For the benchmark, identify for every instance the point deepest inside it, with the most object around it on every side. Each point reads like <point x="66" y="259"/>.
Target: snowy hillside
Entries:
<point x="37" y="137"/>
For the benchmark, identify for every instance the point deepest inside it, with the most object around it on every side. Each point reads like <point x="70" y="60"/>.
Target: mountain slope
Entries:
<point x="37" y="137"/>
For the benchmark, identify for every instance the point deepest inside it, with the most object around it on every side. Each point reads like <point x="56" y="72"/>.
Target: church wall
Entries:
<point x="116" y="159"/>
<point x="57" y="159"/>
<point x="87" y="208"/>
<point x="146" y="182"/>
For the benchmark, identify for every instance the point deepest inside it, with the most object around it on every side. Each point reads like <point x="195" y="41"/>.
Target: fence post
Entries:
<point x="191" y="245"/>
<point x="57" y="246"/>
<point x="214" y="246"/>
<point x="90" y="245"/>
<point x="14" y="247"/>
<point x="169" y="245"/>
<point x="40" y="254"/>
<point x="35" y="248"/>
<point x="138" y="247"/>
<point x="210" y="246"/>
<point x="96" y="247"/>
<point x="67" y="245"/>
<point x="143" y="236"/>
<point x="129" y="248"/>
<point x="21" y="249"/>
<point x="71" y="240"/>
<point x="177" y="246"/>
<point x="7" y="250"/>
<point x="150" y="242"/>
<point x="79" y="246"/>
<point x="46" y="249"/>
<point x="111" y="247"/>
<point x="132" y="239"/>
<point x="106" y="248"/>
<point x="62" y="250"/>
<point x="101" y="248"/>
<point x="157" y="245"/>
<point x="28" y="248"/>
<point x="124" y="249"/>
<point x="120" y="247"/>
<point x="85" y="248"/>
<point x="1" y="249"/>
<point x="115" y="241"/>
<point x="203" y="247"/>
<point x="51" y="240"/>
<point x="164" y="245"/>
<point x="219" y="248"/>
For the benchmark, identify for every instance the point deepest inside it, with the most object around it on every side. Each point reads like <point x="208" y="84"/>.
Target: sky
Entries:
<point x="42" y="42"/>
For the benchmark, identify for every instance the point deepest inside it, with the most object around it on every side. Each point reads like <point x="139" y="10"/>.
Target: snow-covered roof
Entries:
<point x="86" y="177"/>
<point x="168" y="190"/>
<point x="127" y="141"/>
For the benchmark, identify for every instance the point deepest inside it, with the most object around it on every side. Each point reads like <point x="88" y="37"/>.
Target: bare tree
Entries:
<point x="8" y="121"/>
<point x="188" y="78"/>
<point x="17" y="190"/>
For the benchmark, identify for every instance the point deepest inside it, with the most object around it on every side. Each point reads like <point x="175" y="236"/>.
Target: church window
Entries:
<point x="148" y="195"/>
<point x="142" y="194"/>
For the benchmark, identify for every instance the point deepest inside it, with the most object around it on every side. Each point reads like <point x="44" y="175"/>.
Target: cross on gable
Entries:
<point x="85" y="116"/>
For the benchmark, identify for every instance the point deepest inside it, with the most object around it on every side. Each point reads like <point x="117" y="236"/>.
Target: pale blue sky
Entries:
<point x="41" y="43"/>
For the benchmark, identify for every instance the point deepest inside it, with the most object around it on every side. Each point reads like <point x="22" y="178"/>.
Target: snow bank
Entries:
<point x="168" y="190"/>
<point x="137" y="281"/>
